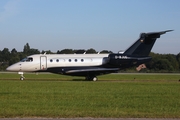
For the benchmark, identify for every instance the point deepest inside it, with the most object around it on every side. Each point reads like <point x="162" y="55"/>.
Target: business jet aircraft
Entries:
<point x="89" y="65"/>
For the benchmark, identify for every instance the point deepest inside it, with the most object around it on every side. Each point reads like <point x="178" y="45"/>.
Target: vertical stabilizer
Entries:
<point x="143" y="46"/>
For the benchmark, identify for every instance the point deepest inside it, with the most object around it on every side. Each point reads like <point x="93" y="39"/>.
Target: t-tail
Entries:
<point x="137" y="53"/>
<point x="143" y="46"/>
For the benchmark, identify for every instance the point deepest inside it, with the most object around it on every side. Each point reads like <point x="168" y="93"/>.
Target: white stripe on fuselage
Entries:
<point x="59" y="60"/>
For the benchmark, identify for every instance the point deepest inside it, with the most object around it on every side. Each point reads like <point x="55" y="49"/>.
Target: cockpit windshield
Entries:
<point x="29" y="59"/>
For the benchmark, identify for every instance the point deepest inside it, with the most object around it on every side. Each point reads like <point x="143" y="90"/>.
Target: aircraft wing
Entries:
<point x="90" y="70"/>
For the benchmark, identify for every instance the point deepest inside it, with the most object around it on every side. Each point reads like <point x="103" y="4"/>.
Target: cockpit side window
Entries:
<point x="29" y="59"/>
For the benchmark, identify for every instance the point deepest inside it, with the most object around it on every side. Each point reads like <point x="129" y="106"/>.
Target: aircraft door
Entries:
<point x="43" y="62"/>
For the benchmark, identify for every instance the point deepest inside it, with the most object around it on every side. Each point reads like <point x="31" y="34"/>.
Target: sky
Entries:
<point x="83" y="24"/>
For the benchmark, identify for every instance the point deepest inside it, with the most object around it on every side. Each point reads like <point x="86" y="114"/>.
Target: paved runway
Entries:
<point x="89" y="118"/>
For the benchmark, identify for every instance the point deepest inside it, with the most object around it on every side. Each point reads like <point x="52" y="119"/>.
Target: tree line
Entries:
<point x="159" y="63"/>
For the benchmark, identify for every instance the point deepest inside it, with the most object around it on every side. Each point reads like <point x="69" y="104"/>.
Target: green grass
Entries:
<point x="109" y="77"/>
<point x="115" y="95"/>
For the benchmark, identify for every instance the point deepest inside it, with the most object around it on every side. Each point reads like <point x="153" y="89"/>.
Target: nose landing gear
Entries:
<point x="21" y="77"/>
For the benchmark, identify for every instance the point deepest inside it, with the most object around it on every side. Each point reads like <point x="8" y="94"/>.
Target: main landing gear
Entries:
<point x="92" y="78"/>
<point x="21" y="77"/>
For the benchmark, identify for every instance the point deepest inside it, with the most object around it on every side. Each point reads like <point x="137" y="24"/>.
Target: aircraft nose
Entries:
<point x="12" y="68"/>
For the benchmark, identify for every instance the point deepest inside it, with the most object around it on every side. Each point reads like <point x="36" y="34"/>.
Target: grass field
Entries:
<point x="114" y="95"/>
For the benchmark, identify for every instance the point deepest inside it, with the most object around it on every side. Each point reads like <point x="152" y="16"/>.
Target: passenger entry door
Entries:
<point x="43" y="62"/>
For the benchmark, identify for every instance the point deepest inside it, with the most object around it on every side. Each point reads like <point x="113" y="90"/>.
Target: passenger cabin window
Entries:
<point x="29" y="59"/>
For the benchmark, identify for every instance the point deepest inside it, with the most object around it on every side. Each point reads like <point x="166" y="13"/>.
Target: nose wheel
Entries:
<point x="21" y="77"/>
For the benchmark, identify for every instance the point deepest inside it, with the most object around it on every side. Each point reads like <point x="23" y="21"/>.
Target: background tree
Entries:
<point x="91" y="51"/>
<point x="1" y="57"/>
<point x="163" y="63"/>
<point x="106" y="51"/>
<point x="47" y="52"/>
<point x="178" y="60"/>
<point x="33" y="51"/>
<point x="5" y="55"/>
<point x="14" y="57"/>
<point x="26" y="49"/>
<point x="80" y="51"/>
<point x="4" y="58"/>
<point x="65" y="51"/>
<point x="29" y="51"/>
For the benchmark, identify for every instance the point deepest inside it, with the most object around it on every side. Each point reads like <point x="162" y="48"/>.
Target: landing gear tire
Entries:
<point x="21" y="78"/>
<point x="92" y="78"/>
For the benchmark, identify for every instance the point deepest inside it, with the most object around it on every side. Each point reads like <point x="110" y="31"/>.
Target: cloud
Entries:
<point x="9" y="10"/>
